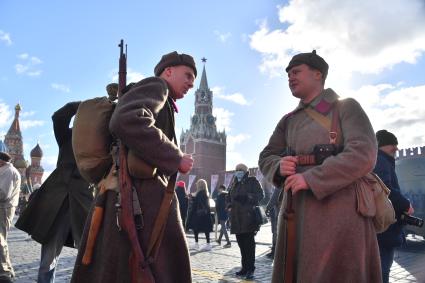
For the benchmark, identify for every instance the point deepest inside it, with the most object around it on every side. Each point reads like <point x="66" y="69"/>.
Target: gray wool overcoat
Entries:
<point x="144" y="121"/>
<point x="333" y="242"/>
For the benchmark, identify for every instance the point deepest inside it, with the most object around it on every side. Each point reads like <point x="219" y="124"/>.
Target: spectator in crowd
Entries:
<point x="272" y="211"/>
<point x="10" y="184"/>
<point x="244" y="194"/>
<point x="199" y="216"/>
<point x="183" y="200"/>
<point x="385" y="168"/>
<point x="222" y="216"/>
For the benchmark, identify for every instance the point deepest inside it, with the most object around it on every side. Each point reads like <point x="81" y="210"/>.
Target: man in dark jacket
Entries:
<point x="272" y="211"/>
<point x="385" y="169"/>
<point x="57" y="212"/>
<point x="244" y="194"/>
<point x="222" y="215"/>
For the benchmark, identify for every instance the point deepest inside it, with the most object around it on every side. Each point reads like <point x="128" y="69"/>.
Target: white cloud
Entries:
<point x="28" y="65"/>
<point x="352" y="36"/>
<point x="222" y="37"/>
<point x="26" y="114"/>
<point x="223" y="120"/>
<point x="61" y="87"/>
<point x="232" y="141"/>
<point x="5" y="114"/>
<point x="395" y="108"/>
<point x="23" y="56"/>
<point x="5" y="37"/>
<point x="132" y="76"/>
<point x="25" y="124"/>
<point x="233" y="156"/>
<point x="236" y="97"/>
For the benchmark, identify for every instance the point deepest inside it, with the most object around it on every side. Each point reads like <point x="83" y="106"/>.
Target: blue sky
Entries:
<point x="53" y="52"/>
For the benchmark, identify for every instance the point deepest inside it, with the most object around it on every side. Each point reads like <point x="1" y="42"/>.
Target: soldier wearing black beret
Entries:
<point x="323" y="193"/>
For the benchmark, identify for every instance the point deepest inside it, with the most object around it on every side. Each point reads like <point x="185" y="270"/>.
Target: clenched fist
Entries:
<point x="186" y="164"/>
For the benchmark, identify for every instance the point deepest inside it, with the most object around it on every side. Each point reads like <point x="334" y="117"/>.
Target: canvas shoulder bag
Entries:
<point x="371" y="193"/>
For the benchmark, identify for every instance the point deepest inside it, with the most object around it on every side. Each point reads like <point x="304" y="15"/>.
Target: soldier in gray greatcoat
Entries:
<point x="333" y="242"/>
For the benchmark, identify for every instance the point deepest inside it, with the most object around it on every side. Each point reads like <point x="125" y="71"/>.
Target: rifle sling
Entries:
<point x="161" y="220"/>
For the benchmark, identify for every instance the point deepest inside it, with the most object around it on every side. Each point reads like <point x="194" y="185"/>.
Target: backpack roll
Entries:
<point x="91" y="139"/>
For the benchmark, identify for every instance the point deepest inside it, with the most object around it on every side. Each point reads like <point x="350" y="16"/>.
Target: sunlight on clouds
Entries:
<point x="5" y="114"/>
<point x="233" y="141"/>
<point x="223" y="120"/>
<point x="222" y="37"/>
<point x="132" y="76"/>
<point x="60" y="87"/>
<point x="29" y="66"/>
<point x="236" y="97"/>
<point x="5" y="37"/>
<point x="352" y="36"/>
<point x="233" y="157"/>
<point x="25" y="124"/>
<point x="397" y="109"/>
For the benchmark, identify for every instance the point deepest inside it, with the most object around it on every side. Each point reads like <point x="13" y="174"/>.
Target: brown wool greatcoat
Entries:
<point x="334" y="243"/>
<point x="144" y="121"/>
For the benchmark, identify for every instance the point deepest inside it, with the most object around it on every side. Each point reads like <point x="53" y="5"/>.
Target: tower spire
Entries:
<point x="204" y="83"/>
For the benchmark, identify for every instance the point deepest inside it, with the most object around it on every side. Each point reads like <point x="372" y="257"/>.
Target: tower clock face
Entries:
<point x="210" y="119"/>
<point x="195" y="119"/>
<point x="203" y="96"/>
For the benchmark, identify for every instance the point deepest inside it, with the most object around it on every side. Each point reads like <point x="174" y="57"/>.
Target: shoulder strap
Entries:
<point x="331" y="125"/>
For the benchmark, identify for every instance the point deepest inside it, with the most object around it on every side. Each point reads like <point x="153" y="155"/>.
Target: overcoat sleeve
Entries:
<point x="357" y="158"/>
<point x="133" y="122"/>
<point x="61" y="119"/>
<point x="272" y="153"/>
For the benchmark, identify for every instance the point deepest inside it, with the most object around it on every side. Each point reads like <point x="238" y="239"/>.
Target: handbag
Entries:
<point x="372" y="201"/>
<point x="259" y="215"/>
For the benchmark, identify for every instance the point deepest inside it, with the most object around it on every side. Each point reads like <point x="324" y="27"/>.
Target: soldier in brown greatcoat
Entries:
<point x="333" y="242"/>
<point x="144" y="122"/>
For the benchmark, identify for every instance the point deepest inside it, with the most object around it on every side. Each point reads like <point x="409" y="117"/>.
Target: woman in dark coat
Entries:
<point x="199" y="216"/>
<point x="183" y="201"/>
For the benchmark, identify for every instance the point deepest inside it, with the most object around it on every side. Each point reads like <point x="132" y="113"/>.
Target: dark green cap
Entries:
<point x="174" y="59"/>
<point x="311" y="59"/>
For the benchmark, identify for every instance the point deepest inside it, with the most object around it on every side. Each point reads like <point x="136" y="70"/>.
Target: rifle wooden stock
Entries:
<point x="139" y="268"/>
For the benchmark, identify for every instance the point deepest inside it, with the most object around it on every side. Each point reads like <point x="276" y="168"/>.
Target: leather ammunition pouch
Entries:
<point x="320" y="153"/>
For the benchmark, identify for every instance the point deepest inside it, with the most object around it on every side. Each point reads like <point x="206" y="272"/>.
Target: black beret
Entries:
<point x="311" y="59"/>
<point x="4" y="156"/>
<point x="386" y="138"/>
<point x="174" y="59"/>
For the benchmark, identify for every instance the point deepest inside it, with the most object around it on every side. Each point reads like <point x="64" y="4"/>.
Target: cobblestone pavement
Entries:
<point x="217" y="265"/>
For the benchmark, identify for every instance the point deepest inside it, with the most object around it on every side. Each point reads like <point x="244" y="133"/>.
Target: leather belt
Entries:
<point x="306" y="160"/>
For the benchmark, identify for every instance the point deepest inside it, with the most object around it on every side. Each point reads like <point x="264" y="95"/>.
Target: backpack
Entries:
<point x="91" y="139"/>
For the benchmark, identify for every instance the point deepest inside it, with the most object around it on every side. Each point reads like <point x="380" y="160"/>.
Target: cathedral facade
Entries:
<point x="206" y="144"/>
<point x="31" y="174"/>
